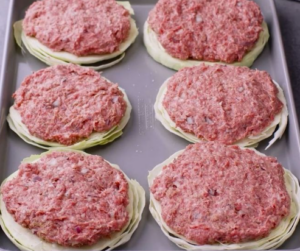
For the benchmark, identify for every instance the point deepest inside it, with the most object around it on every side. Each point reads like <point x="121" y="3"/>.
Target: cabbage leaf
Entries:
<point x="50" y="57"/>
<point x="25" y="240"/>
<point x="159" y="54"/>
<point x="280" y="120"/>
<point x="276" y="237"/>
<point x="14" y="120"/>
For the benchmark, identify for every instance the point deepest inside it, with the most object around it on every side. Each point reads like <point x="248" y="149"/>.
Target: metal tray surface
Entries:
<point x="145" y="142"/>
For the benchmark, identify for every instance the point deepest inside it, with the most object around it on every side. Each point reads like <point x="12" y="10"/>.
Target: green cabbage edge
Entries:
<point x="159" y="54"/>
<point x="15" y="123"/>
<point x="276" y="237"/>
<point x="50" y="57"/>
<point x="280" y="119"/>
<point x="33" y="243"/>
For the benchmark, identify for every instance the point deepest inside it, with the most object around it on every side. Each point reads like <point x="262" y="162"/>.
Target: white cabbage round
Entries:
<point x="280" y="120"/>
<point x="159" y="54"/>
<point x="276" y="238"/>
<point x="51" y="57"/>
<point x="15" y="123"/>
<point x="25" y="240"/>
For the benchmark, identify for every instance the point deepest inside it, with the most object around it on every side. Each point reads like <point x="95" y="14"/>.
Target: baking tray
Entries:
<point x="145" y="142"/>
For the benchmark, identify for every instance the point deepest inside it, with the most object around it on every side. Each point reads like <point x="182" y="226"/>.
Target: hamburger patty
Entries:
<point x="80" y="27"/>
<point x="215" y="193"/>
<point x="68" y="198"/>
<point x="222" y="103"/>
<point x="209" y="30"/>
<point x="67" y="103"/>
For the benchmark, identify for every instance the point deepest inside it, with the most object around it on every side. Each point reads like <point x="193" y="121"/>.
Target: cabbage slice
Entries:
<point x="159" y="54"/>
<point x="276" y="237"/>
<point x="97" y="138"/>
<point x="127" y="6"/>
<point x="51" y="57"/>
<point x="25" y="240"/>
<point x="280" y="120"/>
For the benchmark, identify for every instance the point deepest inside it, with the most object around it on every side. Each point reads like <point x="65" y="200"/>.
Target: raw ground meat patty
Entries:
<point x="68" y="198"/>
<point x="216" y="193"/>
<point x="222" y="103"/>
<point x="209" y="30"/>
<point x="68" y="103"/>
<point x="80" y="27"/>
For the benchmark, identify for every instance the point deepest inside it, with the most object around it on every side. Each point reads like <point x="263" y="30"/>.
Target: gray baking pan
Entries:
<point x="145" y="142"/>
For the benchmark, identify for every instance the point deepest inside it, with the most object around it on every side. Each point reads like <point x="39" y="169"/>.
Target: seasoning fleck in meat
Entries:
<point x="68" y="198"/>
<point x="210" y="30"/>
<point x="222" y="194"/>
<point x="80" y="27"/>
<point x="222" y="103"/>
<point x="68" y="103"/>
